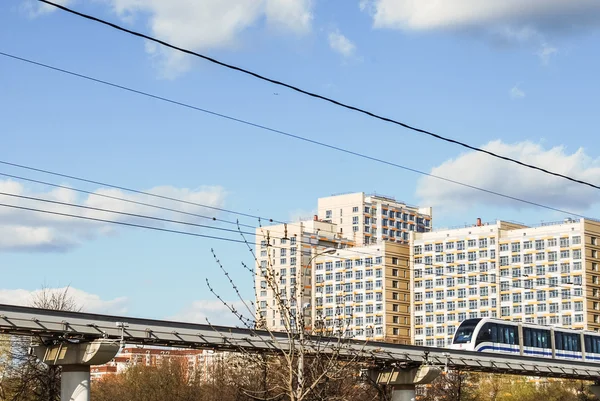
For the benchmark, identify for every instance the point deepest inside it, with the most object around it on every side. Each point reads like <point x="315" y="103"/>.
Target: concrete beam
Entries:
<point x="424" y="374"/>
<point x="97" y="352"/>
<point x="403" y="381"/>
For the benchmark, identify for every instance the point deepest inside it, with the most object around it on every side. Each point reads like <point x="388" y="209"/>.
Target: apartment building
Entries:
<point x="370" y="219"/>
<point x="197" y="361"/>
<point x="364" y="292"/>
<point x="546" y="274"/>
<point x="282" y="250"/>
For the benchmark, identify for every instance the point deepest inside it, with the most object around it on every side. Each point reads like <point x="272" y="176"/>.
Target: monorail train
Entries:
<point x="496" y="335"/>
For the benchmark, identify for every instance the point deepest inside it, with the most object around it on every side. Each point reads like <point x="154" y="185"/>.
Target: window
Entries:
<point x="355" y="209"/>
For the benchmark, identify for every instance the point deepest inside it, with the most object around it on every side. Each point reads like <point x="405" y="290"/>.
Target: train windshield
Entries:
<point x="464" y="334"/>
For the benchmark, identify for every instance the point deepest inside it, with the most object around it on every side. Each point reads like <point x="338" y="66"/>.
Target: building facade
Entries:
<point x="197" y="361"/>
<point x="281" y="251"/>
<point x="546" y="275"/>
<point x="364" y="292"/>
<point x="371" y="219"/>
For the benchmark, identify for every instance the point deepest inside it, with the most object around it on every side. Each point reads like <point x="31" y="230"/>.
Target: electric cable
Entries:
<point x="277" y="131"/>
<point x="122" y="223"/>
<point x="317" y="96"/>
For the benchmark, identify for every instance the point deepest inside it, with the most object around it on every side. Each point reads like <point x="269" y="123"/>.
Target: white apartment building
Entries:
<point x="364" y="292"/>
<point x="283" y="250"/>
<point x="370" y="219"/>
<point x="546" y="275"/>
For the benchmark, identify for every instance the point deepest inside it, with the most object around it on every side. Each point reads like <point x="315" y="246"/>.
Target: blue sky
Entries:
<point x="522" y="81"/>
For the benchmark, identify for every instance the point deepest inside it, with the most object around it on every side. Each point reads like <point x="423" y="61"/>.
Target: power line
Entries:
<point x="151" y="218"/>
<point x="216" y="228"/>
<point x="160" y="219"/>
<point x="263" y="127"/>
<point x="142" y="216"/>
<point x="122" y="223"/>
<point x="214" y="237"/>
<point x="315" y="95"/>
<point x="268" y="232"/>
<point x="120" y="199"/>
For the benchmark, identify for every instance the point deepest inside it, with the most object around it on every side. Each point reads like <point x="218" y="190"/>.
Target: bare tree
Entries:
<point x="310" y="362"/>
<point x="23" y="377"/>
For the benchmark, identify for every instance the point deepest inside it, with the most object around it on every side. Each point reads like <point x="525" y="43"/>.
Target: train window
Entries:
<point x="465" y="331"/>
<point x="512" y="335"/>
<point x="494" y="330"/>
<point x="544" y="337"/>
<point x="500" y="334"/>
<point x="589" y="344"/>
<point x="485" y="334"/>
<point x="527" y="332"/>
<point x="592" y="344"/>
<point x="567" y="342"/>
<point x="536" y="338"/>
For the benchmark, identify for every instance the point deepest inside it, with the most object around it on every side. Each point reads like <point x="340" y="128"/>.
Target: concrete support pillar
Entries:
<point x="595" y="389"/>
<point x="403" y="381"/>
<point x="75" y="360"/>
<point x="403" y="393"/>
<point x="75" y="383"/>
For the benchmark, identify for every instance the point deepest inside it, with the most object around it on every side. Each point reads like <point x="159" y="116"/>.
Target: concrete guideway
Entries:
<point x="60" y="325"/>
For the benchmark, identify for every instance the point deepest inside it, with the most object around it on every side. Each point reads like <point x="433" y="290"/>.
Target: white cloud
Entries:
<point x="302" y="215"/>
<point x="516" y="92"/>
<point x="481" y="170"/>
<point x="341" y="44"/>
<point x="546" y="52"/>
<point x="88" y="302"/>
<point x="512" y="21"/>
<point x="35" y="8"/>
<point x="209" y="24"/>
<point x="22" y="230"/>
<point x="213" y="310"/>
<point x="435" y="14"/>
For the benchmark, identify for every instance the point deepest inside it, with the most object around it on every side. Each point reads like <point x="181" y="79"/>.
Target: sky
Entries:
<point x="516" y="78"/>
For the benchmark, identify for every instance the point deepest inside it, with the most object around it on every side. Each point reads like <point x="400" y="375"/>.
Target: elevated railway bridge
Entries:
<point x="76" y="341"/>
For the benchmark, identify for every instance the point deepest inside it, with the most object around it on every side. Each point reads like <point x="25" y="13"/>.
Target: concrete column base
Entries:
<point x="75" y="383"/>
<point x="403" y="393"/>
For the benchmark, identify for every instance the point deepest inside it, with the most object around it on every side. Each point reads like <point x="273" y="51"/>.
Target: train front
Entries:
<point x="464" y="338"/>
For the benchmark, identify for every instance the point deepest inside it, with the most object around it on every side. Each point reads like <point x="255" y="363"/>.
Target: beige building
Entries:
<point x="546" y="274"/>
<point x="364" y="292"/>
<point x="282" y="250"/>
<point x="197" y="361"/>
<point x="371" y="219"/>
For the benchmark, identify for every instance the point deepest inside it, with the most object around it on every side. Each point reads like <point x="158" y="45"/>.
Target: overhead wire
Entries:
<point x="160" y="219"/>
<point x="317" y="96"/>
<point x="263" y="127"/>
<point x="137" y="215"/>
<point x="121" y="199"/>
<point x="294" y="136"/>
<point x="213" y="237"/>
<point x="198" y="204"/>
<point x="121" y="223"/>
